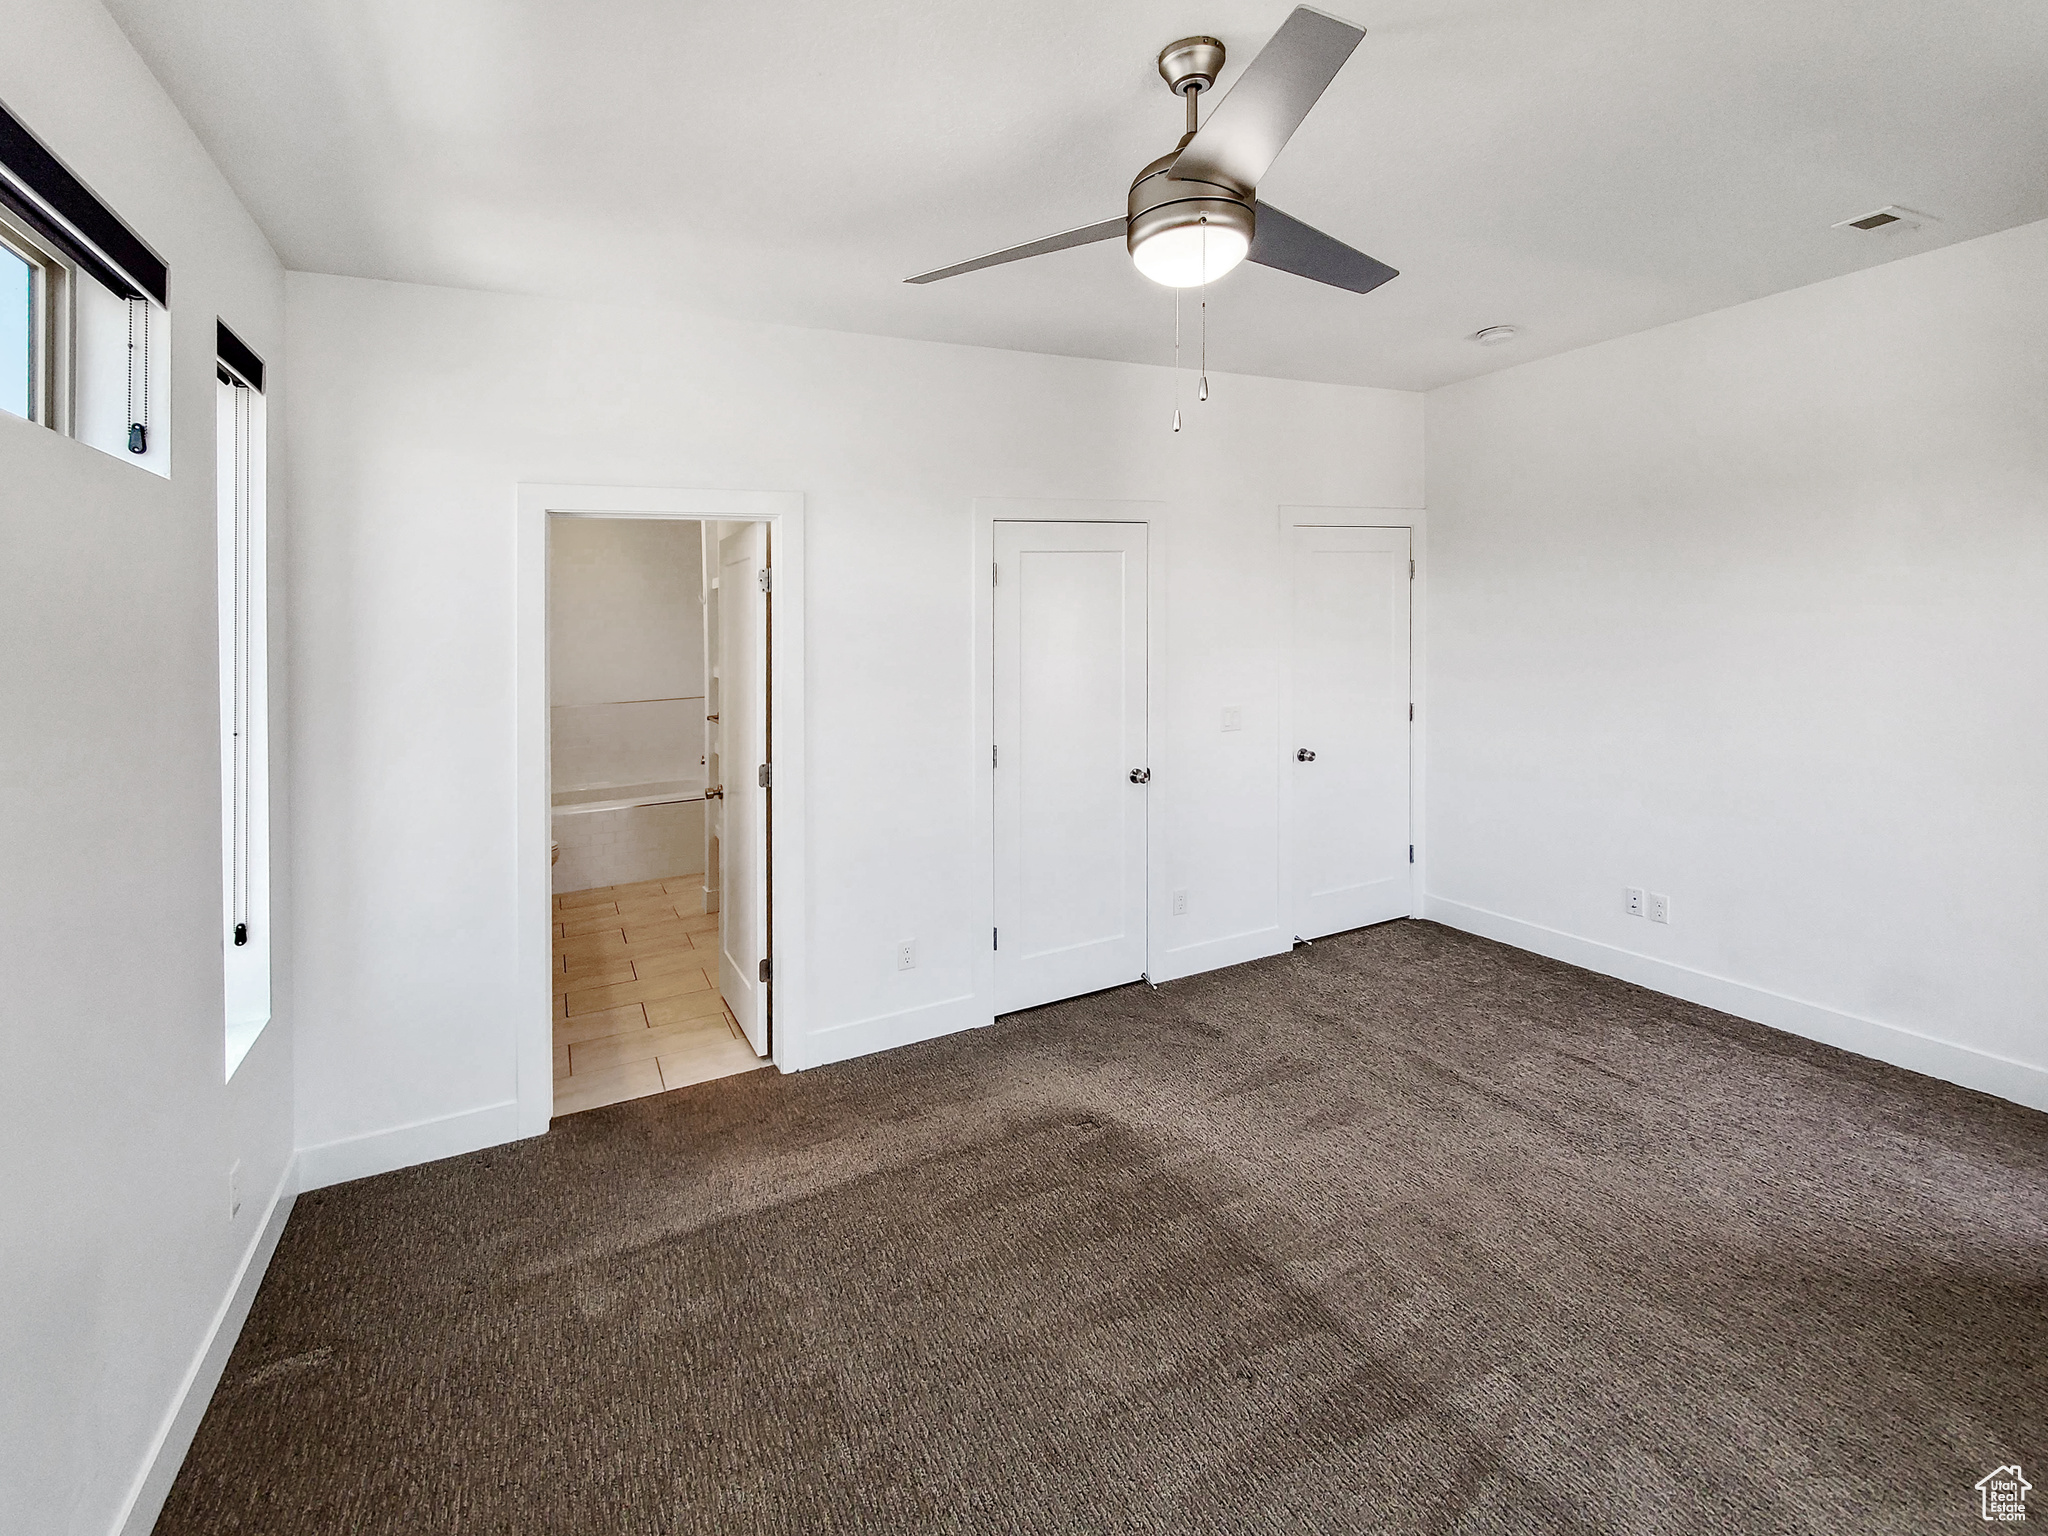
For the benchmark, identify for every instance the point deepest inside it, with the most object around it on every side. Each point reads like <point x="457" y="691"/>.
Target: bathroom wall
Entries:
<point x="625" y="652"/>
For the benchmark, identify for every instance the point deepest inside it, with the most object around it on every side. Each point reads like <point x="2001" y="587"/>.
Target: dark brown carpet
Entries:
<point x="1408" y="1232"/>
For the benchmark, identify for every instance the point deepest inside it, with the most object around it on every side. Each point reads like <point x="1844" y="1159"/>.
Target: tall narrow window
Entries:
<point x="244" y="700"/>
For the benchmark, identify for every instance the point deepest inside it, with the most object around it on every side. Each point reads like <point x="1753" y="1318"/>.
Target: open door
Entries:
<point x="743" y="934"/>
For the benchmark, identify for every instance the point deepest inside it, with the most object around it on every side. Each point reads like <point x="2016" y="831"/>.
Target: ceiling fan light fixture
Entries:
<point x="1212" y="174"/>
<point x="1188" y="255"/>
<point x="1182" y="234"/>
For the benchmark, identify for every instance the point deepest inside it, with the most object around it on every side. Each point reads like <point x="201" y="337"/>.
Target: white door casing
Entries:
<point x="1069" y="697"/>
<point x="743" y="741"/>
<point x="1350" y="841"/>
<point x="531" y="1018"/>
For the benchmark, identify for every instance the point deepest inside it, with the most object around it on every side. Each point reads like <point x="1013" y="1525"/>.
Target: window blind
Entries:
<point x="43" y="194"/>
<point x="235" y="353"/>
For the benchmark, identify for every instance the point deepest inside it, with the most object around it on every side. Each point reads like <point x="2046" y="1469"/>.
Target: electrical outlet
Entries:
<point x="1634" y="896"/>
<point x="235" y="1190"/>
<point x="1180" y="903"/>
<point x="906" y="955"/>
<point x="1233" y="718"/>
<point x="1660" y="907"/>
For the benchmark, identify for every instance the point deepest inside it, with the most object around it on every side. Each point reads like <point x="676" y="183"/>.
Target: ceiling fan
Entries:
<point x="1195" y="214"/>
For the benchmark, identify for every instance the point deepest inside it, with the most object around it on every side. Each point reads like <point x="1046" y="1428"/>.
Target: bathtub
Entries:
<point x="618" y="834"/>
<point x="625" y="797"/>
<point x="629" y="791"/>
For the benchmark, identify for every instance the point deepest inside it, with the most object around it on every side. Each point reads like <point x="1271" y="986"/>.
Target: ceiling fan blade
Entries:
<point x="1087" y="234"/>
<point x="1250" y="126"/>
<point x="1284" y="243"/>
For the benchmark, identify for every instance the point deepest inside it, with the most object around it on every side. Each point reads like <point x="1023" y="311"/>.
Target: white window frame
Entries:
<point x="243" y="554"/>
<point x="51" y="330"/>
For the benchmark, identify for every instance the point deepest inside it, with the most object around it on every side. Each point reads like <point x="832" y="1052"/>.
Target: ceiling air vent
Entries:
<point x="1888" y="217"/>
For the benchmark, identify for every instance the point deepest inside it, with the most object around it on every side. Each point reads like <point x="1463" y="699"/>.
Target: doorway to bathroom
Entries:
<point x="660" y="762"/>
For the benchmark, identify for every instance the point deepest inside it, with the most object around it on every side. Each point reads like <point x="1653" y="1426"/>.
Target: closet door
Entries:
<point x="1070" y="769"/>
<point x="743" y="919"/>
<point x="1348" y="859"/>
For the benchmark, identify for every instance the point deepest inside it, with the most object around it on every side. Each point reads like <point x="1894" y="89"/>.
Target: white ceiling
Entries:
<point x="1578" y="168"/>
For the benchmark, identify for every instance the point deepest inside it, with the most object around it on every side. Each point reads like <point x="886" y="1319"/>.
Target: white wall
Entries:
<point x="625" y="655"/>
<point x="116" y="1251"/>
<point x="419" y="410"/>
<point x="1753" y="610"/>
<point x="625" y="610"/>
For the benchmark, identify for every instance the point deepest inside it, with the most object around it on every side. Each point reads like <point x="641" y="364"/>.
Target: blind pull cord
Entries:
<point x="138" y="410"/>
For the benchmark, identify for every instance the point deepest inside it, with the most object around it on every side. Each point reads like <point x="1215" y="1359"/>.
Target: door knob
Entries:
<point x="1141" y="775"/>
<point x="1303" y="755"/>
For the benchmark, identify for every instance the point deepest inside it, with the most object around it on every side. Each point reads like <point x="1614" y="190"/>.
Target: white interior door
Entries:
<point x="1069" y="738"/>
<point x="1350" y="853"/>
<point x="743" y="931"/>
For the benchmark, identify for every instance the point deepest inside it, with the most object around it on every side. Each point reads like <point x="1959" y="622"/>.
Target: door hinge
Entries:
<point x="767" y="969"/>
<point x="994" y="755"/>
<point x="1411" y="569"/>
<point x="1411" y="853"/>
<point x="995" y="574"/>
<point x="1411" y="709"/>
<point x="766" y="776"/>
<point x="995" y="938"/>
<point x="768" y="579"/>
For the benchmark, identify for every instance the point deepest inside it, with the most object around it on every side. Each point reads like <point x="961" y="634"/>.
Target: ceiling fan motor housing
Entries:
<point x="1158" y="202"/>
<point x="1192" y="64"/>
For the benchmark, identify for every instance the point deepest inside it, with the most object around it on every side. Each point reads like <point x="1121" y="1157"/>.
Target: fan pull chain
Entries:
<point x="1176" y="359"/>
<point x="1204" y="392"/>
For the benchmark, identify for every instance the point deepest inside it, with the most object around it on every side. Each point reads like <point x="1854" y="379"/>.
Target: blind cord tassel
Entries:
<point x="138" y="411"/>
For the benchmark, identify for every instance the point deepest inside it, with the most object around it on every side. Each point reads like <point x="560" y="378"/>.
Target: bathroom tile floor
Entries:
<point x="637" y="1009"/>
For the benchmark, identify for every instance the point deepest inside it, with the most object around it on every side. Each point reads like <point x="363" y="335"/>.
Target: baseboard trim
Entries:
<point x="1215" y="954"/>
<point x="403" y="1146"/>
<point x="1963" y="1065"/>
<point x="166" y="1455"/>
<point x="886" y="1031"/>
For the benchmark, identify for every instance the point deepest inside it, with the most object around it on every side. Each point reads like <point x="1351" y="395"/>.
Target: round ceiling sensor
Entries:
<point x="1494" y="335"/>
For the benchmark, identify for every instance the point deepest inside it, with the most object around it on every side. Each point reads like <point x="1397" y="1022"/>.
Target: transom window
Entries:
<point x="17" y="326"/>
<point x="82" y="300"/>
<point x="31" y="310"/>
